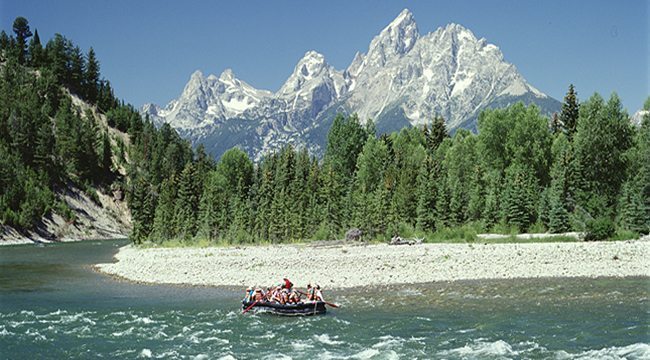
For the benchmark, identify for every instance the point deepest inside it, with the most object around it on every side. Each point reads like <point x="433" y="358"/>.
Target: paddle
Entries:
<point x="326" y="303"/>
<point x="332" y="304"/>
<point x="250" y="307"/>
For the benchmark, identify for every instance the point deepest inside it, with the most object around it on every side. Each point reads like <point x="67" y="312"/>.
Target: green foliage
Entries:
<point x="22" y="31"/>
<point x="603" y="135"/>
<point x="465" y="233"/>
<point x="570" y="112"/>
<point x="600" y="229"/>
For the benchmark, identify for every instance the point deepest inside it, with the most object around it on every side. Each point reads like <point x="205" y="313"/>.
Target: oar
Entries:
<point x="327" y="303"/>
<point x="250" y="307"/>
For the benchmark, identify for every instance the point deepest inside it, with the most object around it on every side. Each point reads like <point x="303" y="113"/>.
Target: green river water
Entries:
<point x="53" y="305"/>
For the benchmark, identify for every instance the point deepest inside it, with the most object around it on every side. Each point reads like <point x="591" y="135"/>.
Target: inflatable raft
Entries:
<point x="300" y="309"/>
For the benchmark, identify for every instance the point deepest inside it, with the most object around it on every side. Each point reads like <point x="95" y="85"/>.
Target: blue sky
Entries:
<point x="148" y="49"/>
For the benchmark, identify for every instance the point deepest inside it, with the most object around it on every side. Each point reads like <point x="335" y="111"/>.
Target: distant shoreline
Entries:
<point x="347" y="266"/>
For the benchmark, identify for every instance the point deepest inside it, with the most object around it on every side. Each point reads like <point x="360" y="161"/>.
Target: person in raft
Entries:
<point x="283" y="293"/>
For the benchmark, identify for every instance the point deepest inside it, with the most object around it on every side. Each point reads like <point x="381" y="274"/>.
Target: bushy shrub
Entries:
<point x="600" y="229"/>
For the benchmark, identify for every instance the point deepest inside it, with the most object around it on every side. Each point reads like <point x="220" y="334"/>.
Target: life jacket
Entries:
<point x="287" y="284"/>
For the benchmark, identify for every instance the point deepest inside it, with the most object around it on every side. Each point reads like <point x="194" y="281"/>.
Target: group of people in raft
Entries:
<point x="283" y="293"/>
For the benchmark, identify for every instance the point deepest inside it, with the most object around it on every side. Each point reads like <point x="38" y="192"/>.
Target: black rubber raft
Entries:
<point x="301" y="309"/>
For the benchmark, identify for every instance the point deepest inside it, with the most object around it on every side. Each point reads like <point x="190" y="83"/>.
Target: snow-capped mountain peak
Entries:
<point x="404" y="78"/>
<point x="396" y="39"/>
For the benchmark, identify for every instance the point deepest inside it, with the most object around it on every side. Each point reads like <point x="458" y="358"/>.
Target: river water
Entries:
<point x="53" y="305"/>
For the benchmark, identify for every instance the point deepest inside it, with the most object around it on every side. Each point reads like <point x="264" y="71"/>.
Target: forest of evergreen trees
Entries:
<point x="587" y="168"/>
<point x="47" y="144"/>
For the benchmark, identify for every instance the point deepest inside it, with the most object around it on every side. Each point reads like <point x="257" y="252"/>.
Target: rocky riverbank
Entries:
<point x="344" y="266"/>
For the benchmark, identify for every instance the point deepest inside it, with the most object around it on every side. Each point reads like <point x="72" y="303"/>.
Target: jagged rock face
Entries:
<point x="404" y="78"/>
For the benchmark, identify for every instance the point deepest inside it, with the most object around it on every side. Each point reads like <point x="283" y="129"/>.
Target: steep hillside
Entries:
<point x="75" y="162"/>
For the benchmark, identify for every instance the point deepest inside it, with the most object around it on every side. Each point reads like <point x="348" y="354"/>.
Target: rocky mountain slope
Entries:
<point x="403" y="79"/>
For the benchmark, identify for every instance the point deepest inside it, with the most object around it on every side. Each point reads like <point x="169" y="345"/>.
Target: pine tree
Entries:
<point x="570" y="112"/>
<point x="556" y="125"/>
<point x="91" y="77"/>
<point x="22" y="31"/>
<point x="603" y="136"/>
<point x="426" y="196"/>
<point x="106" y="154"/>
<point x="559" y="193"/>
<point x="187" y="202"/>
<point x="437" y="134"/>
<point x="519" y="203"/>
<point x="163" y="223"/>
<point x="75" y="80"/>
<point x="36" y="51"/>
<point x="142" y="209"/>
<point x="634" y="202"/>
<point x="558" y="216"/>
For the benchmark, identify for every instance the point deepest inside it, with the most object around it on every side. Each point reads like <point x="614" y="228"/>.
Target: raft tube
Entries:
<point x="300" y="309"/>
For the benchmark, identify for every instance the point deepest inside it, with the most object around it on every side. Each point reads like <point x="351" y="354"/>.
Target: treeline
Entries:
<point x="47" y="143"/>
<point x="588" y="168"/>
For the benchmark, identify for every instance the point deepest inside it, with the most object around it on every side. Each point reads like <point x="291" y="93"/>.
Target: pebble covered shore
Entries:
<point x="345" y="266"/>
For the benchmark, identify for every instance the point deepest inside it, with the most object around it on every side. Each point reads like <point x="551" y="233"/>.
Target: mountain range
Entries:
<point x="404" y="79"/>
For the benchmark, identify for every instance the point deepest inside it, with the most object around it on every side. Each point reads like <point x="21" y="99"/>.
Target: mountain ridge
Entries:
<point x="402" y="77"/>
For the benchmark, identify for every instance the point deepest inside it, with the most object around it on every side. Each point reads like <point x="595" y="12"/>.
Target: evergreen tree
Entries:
<point x="187" y="203"/>
<point x="519" y="197"/>
<point x="602" y="137"/>
<point x="91" y="77"/>
<point x="36" y="51"/>
<point x="437" y="134"/>
<point x="163" y="224"/>
<point x="570" y="112"/>
<point x="634" y="202"/>
<point x="345" y="141"/>
<point x="142" y="210"/>
<point x="75" y="79"/>
<point x="559" y="193"/>
<point x="106" y="157"/>
<point x="426" y="196"/>
<point x="22" y="31"/>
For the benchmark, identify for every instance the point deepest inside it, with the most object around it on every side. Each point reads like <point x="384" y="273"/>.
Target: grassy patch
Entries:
<point x="624" y="235"/>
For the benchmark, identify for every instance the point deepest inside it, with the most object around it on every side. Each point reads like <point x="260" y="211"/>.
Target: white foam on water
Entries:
<point x="366" y="354"/>
<point x="145" y="353"/>
<point x="195" y="337"/>
<point x="409" y="292"/>
<point x="388" y="342"/>
<point x="5" y="332"/>
<point x="173" y="354"/>
<point x="216" y="339"/>
<point x="227" y="357"/>
<point x="465" y="331"/>
<point x="201" y="357"/>
<point x="128" y="331"/>
<point x="278" y="356"/>
<point x="36" y="335"/>
<point x="302" y="345"/>
<point x="27" y="312"/>
<point x="160" y="334"/>
<point x="144" y="320"/>
<point x="480" y="348"/>
<point x="325" y="339"/>
<point x="341" y="321"/>
<point x="633" y="351"/>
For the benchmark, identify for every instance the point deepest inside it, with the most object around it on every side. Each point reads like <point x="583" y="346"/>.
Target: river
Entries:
<point x="54" y="305"/>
